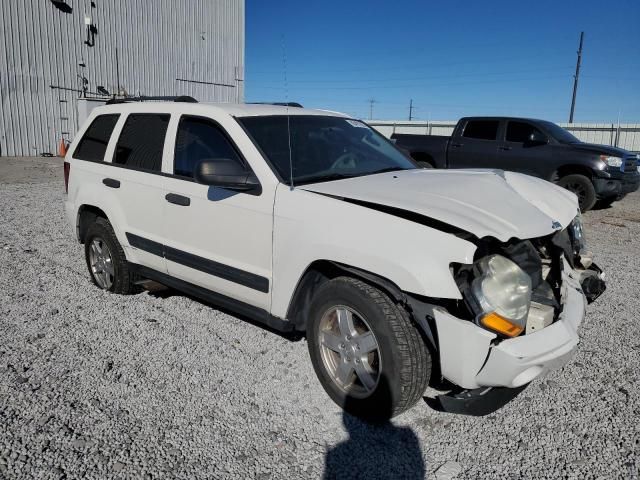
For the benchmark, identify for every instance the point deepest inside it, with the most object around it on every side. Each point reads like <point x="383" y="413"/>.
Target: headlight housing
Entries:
<point x="502" y="291"/>
<point x="576" y="231"/>
<point x="611" y="161"/>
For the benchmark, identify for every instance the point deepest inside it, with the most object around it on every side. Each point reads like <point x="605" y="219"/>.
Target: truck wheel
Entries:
<point x="368" y="355"/>
<point x="106" y="260"/>
<point x="582" y="187"/>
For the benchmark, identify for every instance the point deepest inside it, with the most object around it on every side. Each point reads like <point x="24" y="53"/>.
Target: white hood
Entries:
<point x="483" y="202"/>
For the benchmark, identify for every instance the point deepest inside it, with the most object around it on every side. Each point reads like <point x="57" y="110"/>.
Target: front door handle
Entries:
<point x="456" y="145"/>
<point x="178" y="199"/>
<point x="504" y="147"/>
<point x="110" y="182"/>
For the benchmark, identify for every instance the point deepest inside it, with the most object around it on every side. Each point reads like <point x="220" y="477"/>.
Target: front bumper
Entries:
<point x="472" y="357"/>
<point x="617" y="186"/>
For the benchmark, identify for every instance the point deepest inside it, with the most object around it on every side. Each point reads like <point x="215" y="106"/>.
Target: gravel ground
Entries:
<point x="161" y="386"/>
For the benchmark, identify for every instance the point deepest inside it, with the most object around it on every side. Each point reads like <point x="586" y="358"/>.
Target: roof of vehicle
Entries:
<point x="233" y="109"/>
<point x="523" y="119"/>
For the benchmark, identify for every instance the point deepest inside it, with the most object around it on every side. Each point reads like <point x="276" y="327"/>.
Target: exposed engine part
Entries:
<point x="540" y="316"/>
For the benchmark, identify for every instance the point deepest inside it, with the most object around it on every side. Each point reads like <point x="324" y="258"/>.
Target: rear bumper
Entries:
<point x="471" y="358"/>
<point x="617" y="186"/>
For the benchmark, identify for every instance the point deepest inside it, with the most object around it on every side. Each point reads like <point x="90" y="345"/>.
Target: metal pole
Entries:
<point x="575" y="78"/>
<point x="371" y="102"/>
<point x="117" y="73"/>
<point x="410" y="109"/>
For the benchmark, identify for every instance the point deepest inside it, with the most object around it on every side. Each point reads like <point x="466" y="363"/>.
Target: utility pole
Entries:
<point x="371" y="102"/>
<point x="410" y="109"/>
<point x="575" y="78"/>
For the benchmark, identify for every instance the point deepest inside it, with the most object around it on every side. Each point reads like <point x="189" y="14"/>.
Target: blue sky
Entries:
<point x="452" y="58"/>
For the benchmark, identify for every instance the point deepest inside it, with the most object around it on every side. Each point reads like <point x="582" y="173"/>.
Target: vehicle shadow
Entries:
<point x="375" y="449"/>
<point x="159" y="290"/>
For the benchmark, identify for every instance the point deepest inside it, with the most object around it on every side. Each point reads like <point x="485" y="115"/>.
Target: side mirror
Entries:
<point x="226" y="173"/>
<point x="537" y="138"/>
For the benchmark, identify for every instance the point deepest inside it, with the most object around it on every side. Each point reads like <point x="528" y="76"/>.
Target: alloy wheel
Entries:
<point x="349" y="350"/>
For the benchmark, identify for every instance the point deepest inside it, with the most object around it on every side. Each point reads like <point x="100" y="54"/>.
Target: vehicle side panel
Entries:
<point x="310" y="226"/>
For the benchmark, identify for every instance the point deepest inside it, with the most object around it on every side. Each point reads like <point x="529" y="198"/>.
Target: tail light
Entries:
<point x="67" y="169"/>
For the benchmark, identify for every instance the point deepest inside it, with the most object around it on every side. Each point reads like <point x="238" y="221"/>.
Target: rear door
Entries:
<point x="215" y="238"/>
<point x="518" y="154"/>
<point x="136" y="176"/>
<point x="474" y="144"/>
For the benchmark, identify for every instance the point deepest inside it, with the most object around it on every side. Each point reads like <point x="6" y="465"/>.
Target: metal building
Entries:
<point x="54" y="52"/>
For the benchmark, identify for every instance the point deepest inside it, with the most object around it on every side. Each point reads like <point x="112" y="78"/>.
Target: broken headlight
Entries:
<point x="502" y="293"/>
<point x="576" y="232"/>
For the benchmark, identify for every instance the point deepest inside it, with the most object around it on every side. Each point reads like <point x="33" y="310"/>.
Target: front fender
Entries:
<point x="310" y="227"/>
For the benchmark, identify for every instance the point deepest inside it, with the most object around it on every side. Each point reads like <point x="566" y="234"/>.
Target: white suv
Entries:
<point x="310" y="221"/>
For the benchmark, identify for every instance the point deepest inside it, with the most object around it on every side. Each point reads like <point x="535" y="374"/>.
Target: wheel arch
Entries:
<point x="87" y="214"/>
<point x="572" y="169"/>
<point x="321" y="271"/>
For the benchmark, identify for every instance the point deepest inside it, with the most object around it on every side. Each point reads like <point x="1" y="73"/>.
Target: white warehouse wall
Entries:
<point x="44" y="43"/>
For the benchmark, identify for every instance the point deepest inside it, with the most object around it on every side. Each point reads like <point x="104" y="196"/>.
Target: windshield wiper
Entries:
<point x="326" y="178"/>
<point x="384" y="170"/>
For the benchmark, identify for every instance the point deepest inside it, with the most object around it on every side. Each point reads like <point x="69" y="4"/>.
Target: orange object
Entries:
<point x="62" y="151"/>
<point x="500" y="324"/>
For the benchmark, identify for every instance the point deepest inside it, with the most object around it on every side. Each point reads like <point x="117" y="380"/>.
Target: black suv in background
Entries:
<point x="595" y="173"/>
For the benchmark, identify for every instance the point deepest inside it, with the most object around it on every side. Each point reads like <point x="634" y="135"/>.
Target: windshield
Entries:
<point x="323" y="148"/>
<point x="559" y="133"/>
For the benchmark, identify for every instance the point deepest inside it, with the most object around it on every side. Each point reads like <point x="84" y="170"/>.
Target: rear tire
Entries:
<point x="106" y="260"/>
<point x="379" y="366"/>
<point x="582" y="187"/>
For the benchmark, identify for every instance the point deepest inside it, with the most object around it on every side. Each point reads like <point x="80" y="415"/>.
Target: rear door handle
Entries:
<point x="504" y="147"/>
<point x="110" y="182"/>
<point x="178" y="199"/>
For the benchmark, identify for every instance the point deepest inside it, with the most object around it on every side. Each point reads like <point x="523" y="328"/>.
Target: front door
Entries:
<point x="518" y="153"/>
<point x="215" y="238"/>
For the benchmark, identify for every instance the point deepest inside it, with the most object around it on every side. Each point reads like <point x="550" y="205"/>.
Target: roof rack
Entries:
<point x="281" y="104"/>
<point x="179" y="98"/>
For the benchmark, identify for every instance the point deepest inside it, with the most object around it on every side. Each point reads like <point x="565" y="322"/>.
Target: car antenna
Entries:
<point x="286" y="95"/>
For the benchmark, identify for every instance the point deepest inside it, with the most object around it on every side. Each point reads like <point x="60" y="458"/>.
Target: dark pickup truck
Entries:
<point x="595" y="173"/>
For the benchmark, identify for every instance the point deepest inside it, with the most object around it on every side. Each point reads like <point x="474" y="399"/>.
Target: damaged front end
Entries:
<point x="523" y="301"/>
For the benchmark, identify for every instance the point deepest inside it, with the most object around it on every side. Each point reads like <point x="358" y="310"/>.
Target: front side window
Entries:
<point x="321" y="148"/>
<point x="481" y="129"/>
<point x="200" y="139"/>
<point x="96" y="138"/>
<point x="142" y="141"/>
<point x="519" y="132"/>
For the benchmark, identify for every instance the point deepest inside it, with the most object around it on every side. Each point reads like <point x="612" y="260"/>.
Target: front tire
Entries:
<point x="582" y="187"/>
<point x="106" y="260"/>
<point x="368" y="355"/>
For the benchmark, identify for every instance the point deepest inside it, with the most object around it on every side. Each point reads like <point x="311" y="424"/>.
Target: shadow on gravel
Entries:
<point x="161" y="291"/>
<point x="375" y="450"/>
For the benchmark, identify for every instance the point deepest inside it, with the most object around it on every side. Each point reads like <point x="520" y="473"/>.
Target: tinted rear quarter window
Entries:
<point x="481" y="129"/>
<point x="519" y="132"/>
<point x="200" y="139"/>
<point x="95" y="140"/>
<point x="141" y="142"/>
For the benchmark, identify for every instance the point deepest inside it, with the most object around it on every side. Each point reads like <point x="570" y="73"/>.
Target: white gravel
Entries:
<point x="97" y="385"/>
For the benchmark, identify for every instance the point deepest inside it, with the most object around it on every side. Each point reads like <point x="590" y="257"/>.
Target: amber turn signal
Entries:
<point x="499" y="324"/>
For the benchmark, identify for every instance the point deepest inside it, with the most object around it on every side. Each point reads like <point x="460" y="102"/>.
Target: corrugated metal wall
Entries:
<point x="625" y="136"/>
<point x="158" y="41"/>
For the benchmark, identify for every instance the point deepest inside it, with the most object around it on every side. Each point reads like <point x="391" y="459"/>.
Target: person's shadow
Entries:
<point x="375" y="450"/>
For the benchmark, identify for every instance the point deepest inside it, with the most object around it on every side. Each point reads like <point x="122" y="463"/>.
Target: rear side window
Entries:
<point x="142" y="140"/>
<point x="519" y="132"/>
<point x="481" y="129"/>
<point x="200" y="139"/>
<point x="95" y="140"/>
